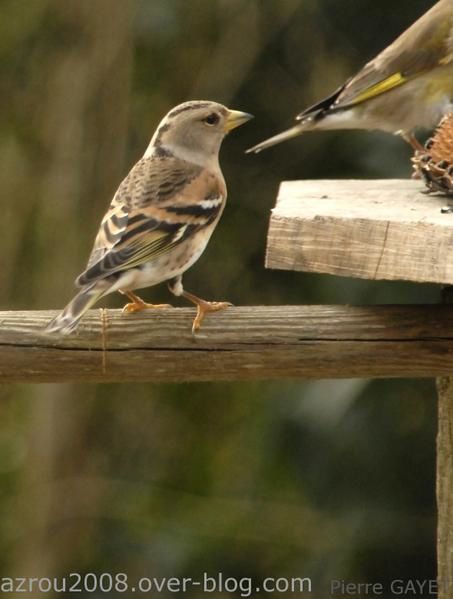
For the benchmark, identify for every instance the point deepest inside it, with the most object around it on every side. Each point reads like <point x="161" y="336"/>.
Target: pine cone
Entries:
<point x="435" y="163"/>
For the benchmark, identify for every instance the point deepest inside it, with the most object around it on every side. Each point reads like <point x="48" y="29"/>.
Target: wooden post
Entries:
<point x="445" y="488"/>
<point x="376" y="230"/>
<point x="445" y="478"/>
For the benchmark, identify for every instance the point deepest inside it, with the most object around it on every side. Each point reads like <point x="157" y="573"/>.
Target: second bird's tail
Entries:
<point x="276" y="139"/>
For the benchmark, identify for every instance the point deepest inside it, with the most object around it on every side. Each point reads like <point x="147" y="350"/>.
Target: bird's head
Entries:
<point x="194" y="130"/>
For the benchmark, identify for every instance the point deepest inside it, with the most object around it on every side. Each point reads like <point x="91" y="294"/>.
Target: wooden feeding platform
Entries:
<point x="385" y="229"/>
<point x="378" y="230"/>
<point x="374" y="230"/>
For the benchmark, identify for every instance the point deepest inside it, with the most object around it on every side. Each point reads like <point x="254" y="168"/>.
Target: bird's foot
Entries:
<point x="203" y="307"/>
<point x="137" y="304"/>
<point x="413" y="141"/>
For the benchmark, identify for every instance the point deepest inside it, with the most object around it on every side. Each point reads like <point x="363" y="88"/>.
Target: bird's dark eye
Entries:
<point x="212" y="119"/>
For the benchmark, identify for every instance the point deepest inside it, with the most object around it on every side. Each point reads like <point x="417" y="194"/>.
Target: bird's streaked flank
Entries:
<point x="162" y="215"/>
<point x="407" y="86"/>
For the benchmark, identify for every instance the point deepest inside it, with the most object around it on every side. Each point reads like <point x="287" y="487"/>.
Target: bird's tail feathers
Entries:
<point x="67" y="321"/>
<point x="307" y="120"/>
<point x="276" y="139"/>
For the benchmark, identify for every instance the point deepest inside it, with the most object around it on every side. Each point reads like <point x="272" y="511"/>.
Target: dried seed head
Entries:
<point x="434" y="164"/>
<point x="442" y="140"/>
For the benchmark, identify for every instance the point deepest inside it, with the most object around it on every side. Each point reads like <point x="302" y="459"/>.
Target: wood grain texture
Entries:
<point x="386" y="229"/>
<point x="445" y="488"/>
<point x="246" y="343"/>
<point x="444" y="477"/>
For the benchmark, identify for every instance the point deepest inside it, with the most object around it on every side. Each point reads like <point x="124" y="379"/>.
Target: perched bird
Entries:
<point x="161" y="216"/>
<point x="407" y="86"/>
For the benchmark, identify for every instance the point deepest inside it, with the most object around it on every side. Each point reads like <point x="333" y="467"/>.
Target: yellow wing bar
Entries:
<point x="380" y="88"/>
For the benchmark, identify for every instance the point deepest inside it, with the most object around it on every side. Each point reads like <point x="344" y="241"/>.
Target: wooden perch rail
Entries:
<point x="246" y="343"/>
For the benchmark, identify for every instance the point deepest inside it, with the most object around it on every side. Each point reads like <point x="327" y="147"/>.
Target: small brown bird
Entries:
<point x="407" y="86"/>
<point x="162" y="215"/>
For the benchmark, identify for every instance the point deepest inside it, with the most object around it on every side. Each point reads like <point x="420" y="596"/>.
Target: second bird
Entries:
<point x="162" y="215"/>
<point x="407" y="86"/>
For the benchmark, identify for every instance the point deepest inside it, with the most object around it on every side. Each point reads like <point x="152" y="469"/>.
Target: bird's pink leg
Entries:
<point x="413" y="141"/>
<point x="203" y="307"/>
<point x="137" y="304"/>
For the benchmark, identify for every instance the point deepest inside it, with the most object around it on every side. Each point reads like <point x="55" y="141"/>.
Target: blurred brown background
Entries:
<point x="326" y="479"/>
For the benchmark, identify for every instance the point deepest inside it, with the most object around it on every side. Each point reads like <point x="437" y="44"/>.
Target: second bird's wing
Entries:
<point x="427" y="44"/>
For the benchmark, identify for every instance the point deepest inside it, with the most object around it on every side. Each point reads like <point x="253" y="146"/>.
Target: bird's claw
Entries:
<point x="138" y="307"/>
<point x="203" y="307"/>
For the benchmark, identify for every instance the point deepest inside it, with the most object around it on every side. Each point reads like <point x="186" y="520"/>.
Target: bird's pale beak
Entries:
<point x="236" y="118"/>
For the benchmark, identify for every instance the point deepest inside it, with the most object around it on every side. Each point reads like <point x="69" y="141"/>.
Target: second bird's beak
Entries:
<point x="236" y="118"/>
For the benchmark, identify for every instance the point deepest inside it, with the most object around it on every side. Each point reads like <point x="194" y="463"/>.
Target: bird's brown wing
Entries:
<point x="162" y="202"/>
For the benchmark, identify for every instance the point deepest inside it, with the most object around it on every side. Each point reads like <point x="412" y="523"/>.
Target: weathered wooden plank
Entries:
<point x="444" y="478"/>
<point x="445" y="488"/>
<point x="387" y="229"/>
<point x="247" y="343"/>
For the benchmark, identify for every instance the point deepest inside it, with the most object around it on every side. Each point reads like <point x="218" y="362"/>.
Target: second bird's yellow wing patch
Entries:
<point x="379" y="88"/>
